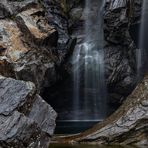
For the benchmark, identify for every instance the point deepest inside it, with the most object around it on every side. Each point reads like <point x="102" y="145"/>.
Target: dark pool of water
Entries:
<point x="87" y="146"/>
<point x="73" y="127"/>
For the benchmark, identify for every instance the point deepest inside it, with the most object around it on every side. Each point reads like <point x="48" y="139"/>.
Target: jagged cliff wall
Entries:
<point x="36" y="41"/>
<point x="27" y="45"/>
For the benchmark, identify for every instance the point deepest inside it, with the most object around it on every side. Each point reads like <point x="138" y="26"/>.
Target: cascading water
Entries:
<point x="80" y="100"/>
<point x="89" y="98"/>
<point x="142" y="52"/>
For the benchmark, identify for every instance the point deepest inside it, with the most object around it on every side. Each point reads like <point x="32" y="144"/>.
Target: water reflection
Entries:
<point x="89" y="146"/>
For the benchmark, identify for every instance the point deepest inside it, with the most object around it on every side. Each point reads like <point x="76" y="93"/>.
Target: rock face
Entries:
<point x="27" y="44"/>
<point x="128" y="125"/>
<point x="120" y="48"/>
<point x="25" y="119"/>
<point x="58" y="16"/>
<point x="27" y="52"/>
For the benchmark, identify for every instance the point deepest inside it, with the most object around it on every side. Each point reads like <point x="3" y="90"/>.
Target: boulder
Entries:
<point x="37" y="66"/>
<point x="26" y="120"/>
<point x="27" y="48"/>
<point x="16" y="130"/>
<point x="12" y="40"/>
<point x="15" y="95"/>
<point x="36" y="29"/>
<point x="58" y="15"/>
<point x="43" y="114"/>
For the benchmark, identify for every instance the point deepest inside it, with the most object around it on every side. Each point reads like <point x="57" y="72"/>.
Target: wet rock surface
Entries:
<point x="23" y="115"/>
<point x="120" y="48"/>
<point x="10" y="8"/>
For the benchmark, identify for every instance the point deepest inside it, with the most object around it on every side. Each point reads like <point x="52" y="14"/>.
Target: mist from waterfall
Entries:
<point x="89" y="102"/>
<point x="142" y="52"/>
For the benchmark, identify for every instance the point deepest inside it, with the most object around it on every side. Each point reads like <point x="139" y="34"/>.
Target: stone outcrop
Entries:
<point x="27" y="46"/>
<point x="57" y="17"/>
<point x="26" y="120"/>
<point x="27" y="52"/>
<point x="120" y="48"/>
<point x="31" y="45"/>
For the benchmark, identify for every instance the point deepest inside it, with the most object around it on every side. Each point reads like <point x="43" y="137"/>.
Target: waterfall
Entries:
<point x="89" y="98"/>
<point x="142" y="53"/>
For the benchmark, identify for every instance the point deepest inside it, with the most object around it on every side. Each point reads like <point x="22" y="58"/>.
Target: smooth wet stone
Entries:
<point x="33" y="23"/>
<point x="18" y="131"/>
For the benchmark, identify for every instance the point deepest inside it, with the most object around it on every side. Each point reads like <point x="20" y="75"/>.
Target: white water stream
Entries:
<point x="89" y="98"/>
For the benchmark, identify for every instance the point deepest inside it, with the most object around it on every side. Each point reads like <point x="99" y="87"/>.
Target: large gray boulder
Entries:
<point x="27" y="46"/>
<point x="26" y="120"/>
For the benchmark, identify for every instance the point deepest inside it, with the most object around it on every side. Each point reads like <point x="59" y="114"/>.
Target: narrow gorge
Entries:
<point x="73" y="73"/>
